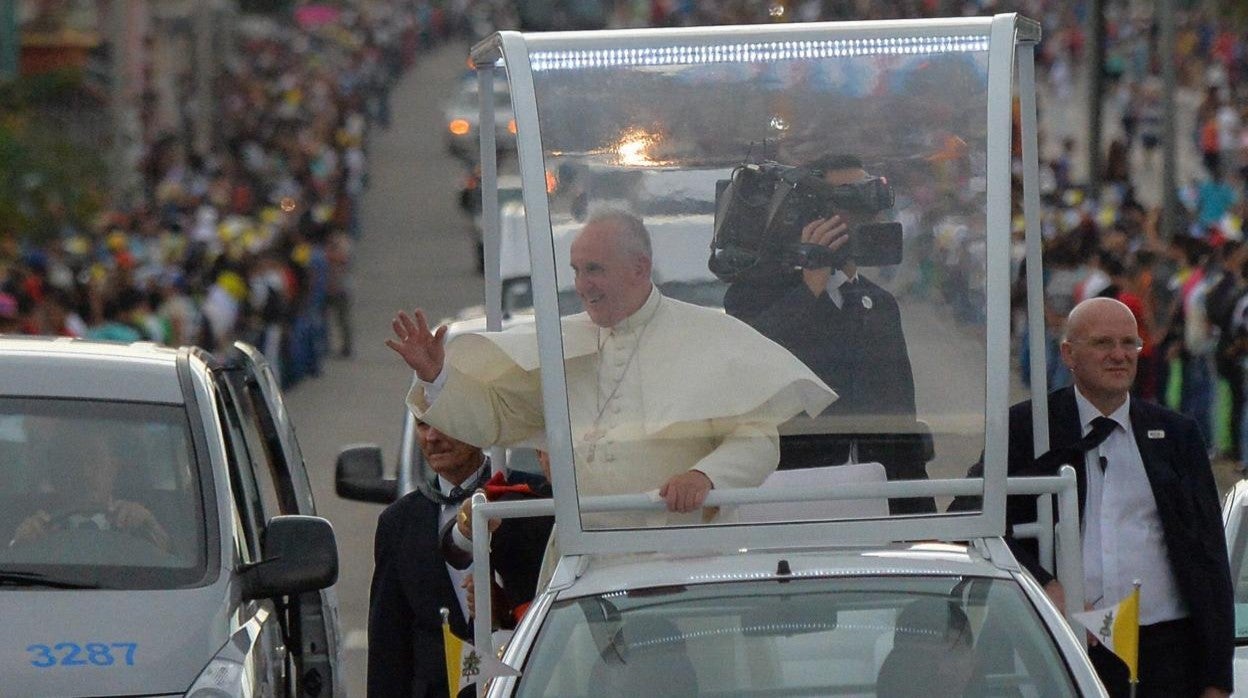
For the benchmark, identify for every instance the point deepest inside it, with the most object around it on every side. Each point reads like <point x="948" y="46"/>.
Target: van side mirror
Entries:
<point x="299" y="554"/>
<point x="358" y="475"/>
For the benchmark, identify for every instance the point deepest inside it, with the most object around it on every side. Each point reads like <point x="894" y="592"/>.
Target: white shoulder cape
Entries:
<point x="696" y="363"/>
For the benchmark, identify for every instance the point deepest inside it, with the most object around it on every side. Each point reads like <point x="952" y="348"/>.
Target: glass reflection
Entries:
<point x="829" y="197"/>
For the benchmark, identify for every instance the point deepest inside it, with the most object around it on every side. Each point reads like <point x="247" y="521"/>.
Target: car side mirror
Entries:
<point x="299" y="554"/>
<point x="359" y="475"/>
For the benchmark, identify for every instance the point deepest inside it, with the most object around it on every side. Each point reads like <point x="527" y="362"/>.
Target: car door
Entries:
<point x="280" y="471"/>
<point x="270" y="674"/>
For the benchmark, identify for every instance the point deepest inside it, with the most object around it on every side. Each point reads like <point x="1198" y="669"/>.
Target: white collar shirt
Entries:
<point x="1123" y="540"/>
<point x="835" y="282"/>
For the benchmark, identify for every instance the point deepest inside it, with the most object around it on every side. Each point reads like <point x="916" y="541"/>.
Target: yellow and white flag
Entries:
<point x="1118" y="628"/>
<point x="466" y="666"/>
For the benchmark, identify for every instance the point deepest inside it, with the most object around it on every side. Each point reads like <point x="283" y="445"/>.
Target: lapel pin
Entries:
<point x="866" y="302"/>
<point x="1156" y="433"/>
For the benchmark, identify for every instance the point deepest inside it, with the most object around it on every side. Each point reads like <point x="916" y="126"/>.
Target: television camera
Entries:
<point x="760" y="211"/>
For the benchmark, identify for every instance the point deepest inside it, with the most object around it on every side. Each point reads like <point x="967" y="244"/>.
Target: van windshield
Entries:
<point x="98" y="494"/>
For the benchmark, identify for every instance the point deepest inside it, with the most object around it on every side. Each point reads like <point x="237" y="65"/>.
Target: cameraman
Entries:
<point x="848" y="331"/>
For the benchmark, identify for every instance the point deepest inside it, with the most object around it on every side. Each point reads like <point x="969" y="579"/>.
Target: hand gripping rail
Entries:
<point x="1063" y="553"/>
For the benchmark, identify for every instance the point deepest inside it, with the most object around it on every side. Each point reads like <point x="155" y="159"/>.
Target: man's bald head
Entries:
<point x="1093" y="312"/>
<point x="1101" y="347"/>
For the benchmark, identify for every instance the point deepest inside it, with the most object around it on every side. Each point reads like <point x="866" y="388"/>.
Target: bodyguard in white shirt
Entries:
<point x="1149" y="510"/>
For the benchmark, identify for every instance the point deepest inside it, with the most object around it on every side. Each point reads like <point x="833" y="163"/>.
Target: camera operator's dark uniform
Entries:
<point x="859" y="350"/>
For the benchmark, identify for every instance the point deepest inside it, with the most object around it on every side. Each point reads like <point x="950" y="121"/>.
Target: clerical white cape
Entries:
<point x="697" y="389"/>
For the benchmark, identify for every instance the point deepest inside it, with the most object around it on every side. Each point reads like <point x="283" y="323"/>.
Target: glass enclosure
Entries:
<point x="813" y="216"/>
<point x="872" y="636"/>
<point x="100" y="494"/>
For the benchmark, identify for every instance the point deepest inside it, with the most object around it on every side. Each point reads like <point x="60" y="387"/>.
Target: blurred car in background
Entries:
<point x="462" y="117"/>
<point x="510" y="201"/>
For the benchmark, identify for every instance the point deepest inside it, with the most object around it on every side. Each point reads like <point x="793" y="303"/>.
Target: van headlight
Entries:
<point x="230" y="672"/>
<point x="222" y="678"/>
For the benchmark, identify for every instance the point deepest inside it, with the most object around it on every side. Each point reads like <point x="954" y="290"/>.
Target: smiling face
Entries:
<point x="1099" y="349"/>
<point x="612" y="281"/>
<point x="451" y="458"/>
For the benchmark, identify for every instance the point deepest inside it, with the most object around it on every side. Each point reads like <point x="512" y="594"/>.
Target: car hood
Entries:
<point x="174" y="635"/>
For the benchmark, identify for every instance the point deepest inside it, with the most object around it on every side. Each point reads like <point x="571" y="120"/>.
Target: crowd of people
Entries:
<point x="1185" y="283"/>
<point x="251" y="240"/>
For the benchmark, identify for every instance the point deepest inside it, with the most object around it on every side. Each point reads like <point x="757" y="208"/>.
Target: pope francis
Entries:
<point x="663" y="395"/>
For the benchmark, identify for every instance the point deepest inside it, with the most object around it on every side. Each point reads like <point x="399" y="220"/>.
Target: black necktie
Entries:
<point x="457" y="494"/>
<point x="1102" y="427"/>
<point x="851" y="293"/>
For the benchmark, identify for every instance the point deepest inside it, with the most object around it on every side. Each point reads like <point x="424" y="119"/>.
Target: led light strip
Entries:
<point x="755" y="52"/>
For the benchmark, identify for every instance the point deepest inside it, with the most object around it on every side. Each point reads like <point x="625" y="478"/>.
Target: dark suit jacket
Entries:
<point x="516" y="550"/>
<point x="860" y="352"/>
<point x="1181" y="477"/>
<point x="410" y="585"/>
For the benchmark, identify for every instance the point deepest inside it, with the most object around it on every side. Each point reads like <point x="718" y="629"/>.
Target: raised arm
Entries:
<point x="422" y="350"/>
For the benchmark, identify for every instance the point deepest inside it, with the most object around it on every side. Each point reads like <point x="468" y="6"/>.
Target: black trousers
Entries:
<point x="1168" y="661"/>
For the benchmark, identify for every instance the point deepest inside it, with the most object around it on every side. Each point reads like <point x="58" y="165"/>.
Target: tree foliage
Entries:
<point x="47" y="176"/>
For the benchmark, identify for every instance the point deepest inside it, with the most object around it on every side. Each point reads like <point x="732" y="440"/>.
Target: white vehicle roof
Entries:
<point x="75" y="368"/>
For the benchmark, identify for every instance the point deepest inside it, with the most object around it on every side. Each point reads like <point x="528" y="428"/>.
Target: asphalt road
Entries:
<point x="414" y="250"/>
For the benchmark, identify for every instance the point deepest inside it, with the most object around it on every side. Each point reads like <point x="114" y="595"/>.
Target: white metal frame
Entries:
<point x="1060" y="550"/>
<point x="1004" y="33"/>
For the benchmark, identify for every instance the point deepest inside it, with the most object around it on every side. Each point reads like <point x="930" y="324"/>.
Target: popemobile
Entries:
<point x="827" y="342"/>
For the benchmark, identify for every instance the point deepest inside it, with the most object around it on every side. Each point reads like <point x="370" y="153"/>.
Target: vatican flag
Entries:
<point x="466" y="666"/>
<point x="1118" y="628"/>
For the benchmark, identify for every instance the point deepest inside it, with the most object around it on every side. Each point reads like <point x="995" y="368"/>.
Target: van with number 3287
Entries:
<point x="158" y="535"/>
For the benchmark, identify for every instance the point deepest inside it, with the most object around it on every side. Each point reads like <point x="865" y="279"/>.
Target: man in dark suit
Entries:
<point x="848" y="331"/>
<point x="1149" y="508"/>
<point x="517" y="545"/>
<point x="411" y="578"/>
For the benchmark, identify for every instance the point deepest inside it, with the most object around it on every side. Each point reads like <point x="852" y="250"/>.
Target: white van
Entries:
<point x="158" y="535"/>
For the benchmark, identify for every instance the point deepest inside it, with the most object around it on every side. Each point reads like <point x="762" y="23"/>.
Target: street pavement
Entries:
<point x="414" y="250"/>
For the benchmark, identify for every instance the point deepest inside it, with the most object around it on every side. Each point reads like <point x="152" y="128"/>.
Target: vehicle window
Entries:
<point x="100" y="493"/>
<point x="886" y="637"/>
<point x="243" y="486"/>
<point x="268" y="462"/>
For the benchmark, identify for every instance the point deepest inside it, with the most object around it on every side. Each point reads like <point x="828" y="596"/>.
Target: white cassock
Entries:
<point x="673" y="387"/>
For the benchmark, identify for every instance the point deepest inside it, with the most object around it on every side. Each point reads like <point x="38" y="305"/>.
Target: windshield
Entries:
<point x="99" y="493"/>
<point x="870" y="636"/>
<point x="833" y="196"/>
